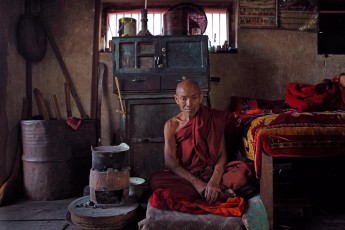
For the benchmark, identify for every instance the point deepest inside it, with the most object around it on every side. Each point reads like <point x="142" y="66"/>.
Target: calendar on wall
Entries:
<point x="258" y="13"/>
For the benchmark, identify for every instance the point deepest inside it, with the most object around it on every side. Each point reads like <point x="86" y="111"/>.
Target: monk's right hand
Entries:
<point x="200" y="186"/>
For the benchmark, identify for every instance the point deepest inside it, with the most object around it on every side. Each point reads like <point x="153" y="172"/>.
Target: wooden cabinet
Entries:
<point x="158" y="63"/>
<point x="148" y="69"/>
<point x="143" y="130"/>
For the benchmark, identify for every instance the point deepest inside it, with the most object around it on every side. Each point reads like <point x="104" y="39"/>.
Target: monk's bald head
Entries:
<point x="188" y="97"/>
<point x="187" y="85"/>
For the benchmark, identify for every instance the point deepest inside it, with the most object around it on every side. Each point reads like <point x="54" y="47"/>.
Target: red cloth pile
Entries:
<point x="320" y="97"/>
<point x="166" y="199"/>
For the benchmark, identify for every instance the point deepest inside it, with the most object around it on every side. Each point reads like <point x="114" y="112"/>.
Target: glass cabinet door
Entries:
<point x="134" y="55"/>
<point x="146" y="55"/>
<point x="127" y="55"/>
<point x="187" y="54"/>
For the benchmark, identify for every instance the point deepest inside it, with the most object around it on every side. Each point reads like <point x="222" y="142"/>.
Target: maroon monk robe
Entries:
<point x="197" y="155"/>
<point x="193" y="149"/>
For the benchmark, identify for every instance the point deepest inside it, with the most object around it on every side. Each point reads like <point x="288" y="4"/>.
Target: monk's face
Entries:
<point x="188" y="97"/>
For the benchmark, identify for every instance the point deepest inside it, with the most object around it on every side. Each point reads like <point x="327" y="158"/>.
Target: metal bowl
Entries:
<point x="136" y="187"/>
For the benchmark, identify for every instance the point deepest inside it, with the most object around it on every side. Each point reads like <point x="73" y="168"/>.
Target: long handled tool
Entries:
<point x="123" y="112"/>
<point x="56" y="107"/>
<point x="41" y="105"/>
<point x="68" y="100"/>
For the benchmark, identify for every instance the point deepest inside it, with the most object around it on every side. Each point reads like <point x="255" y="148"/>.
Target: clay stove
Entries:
<point x="109" y="205"/>
<point x="109" y="176"/>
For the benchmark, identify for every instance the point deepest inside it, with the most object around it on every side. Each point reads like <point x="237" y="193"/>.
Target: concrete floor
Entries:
<point x="35" y="215"/>
<point x="50" y="215"/>
<point x="42" y="215"/>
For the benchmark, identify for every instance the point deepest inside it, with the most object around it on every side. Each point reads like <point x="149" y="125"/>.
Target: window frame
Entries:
<point x="229" y="9"/>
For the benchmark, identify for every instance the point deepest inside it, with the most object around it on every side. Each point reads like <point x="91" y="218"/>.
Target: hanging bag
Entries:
<point x="31" y="38"/>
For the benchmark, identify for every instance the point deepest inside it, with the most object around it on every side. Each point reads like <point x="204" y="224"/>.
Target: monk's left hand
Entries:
<point x="211" y="192"/>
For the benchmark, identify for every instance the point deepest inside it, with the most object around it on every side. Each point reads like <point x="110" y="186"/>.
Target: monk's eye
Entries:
<point x="183" y="98"/>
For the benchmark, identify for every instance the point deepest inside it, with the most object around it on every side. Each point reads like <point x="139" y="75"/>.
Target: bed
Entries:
<point x="272" y="129"/>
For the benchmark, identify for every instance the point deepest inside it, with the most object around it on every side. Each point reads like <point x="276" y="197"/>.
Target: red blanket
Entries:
<point x="320" y="97"/>
<point x="165" y="199"/>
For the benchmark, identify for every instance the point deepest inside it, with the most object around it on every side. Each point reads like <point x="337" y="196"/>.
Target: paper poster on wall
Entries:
<point x="258" y="13"/>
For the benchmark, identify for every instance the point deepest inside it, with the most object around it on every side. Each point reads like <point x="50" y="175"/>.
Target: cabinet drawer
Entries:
<point x="169" y="82"/>
<point x="139" y="83"/>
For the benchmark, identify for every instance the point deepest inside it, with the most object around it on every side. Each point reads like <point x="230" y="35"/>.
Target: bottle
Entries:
<point x="225" y="46"/>
<point x="102" y="44"/>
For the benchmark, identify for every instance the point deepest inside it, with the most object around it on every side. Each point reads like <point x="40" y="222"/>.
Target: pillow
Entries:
<point x="243" y="104"/>
<point x="246" y="105"/>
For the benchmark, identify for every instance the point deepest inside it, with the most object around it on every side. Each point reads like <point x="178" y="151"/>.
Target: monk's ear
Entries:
<point x="176" y="99"/>
<point x="201" y="97"/>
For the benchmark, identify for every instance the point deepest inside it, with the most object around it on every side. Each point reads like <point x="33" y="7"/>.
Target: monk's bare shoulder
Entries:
<point x="174" y="124"/>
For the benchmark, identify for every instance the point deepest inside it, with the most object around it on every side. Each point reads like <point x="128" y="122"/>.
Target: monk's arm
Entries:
<point x="171" y="161"/>
<point x="213" y="186"/>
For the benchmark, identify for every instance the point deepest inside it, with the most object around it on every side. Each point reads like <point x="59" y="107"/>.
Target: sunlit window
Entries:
<point x="217" y="24"/>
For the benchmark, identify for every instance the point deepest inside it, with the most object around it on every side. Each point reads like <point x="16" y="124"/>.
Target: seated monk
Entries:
<point x="196" y="157"/>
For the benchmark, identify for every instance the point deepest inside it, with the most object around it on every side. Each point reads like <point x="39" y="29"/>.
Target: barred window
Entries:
<point x="217" y="28"/>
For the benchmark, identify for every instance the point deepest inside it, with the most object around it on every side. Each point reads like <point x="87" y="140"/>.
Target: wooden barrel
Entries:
<point x="56" y="158"/>
<point x="175" y="22"/>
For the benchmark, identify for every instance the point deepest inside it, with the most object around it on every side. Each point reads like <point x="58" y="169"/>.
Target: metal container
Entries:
<point x="56" y="158"/>
<point x="175" y="22"/>
<point x="114" y="157"/>
<point x="127" y="27"/>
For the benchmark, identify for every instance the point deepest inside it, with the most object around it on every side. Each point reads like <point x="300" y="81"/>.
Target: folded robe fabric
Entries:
<point x="166" y="199"/>
<point x="319" y="97"/>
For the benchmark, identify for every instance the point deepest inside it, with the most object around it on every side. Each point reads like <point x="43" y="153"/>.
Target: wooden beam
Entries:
<point x="95" y="59"/>
<point x="29" y="88"/>
<point x="266" y="186"/>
